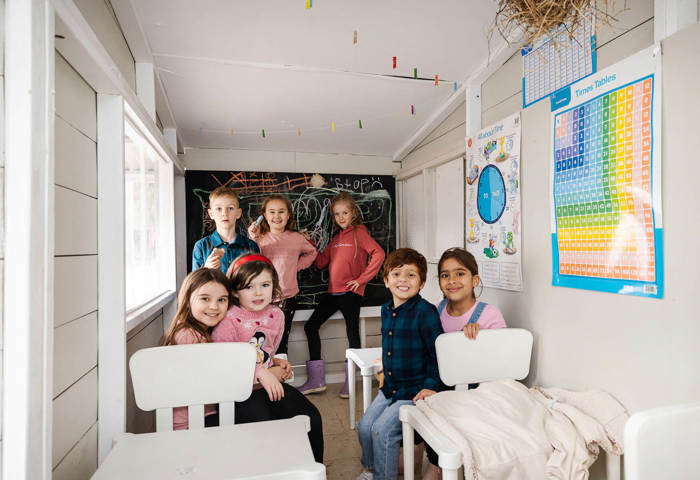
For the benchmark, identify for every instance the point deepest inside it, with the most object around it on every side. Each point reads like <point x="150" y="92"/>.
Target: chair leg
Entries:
<point x="408" y="451"/>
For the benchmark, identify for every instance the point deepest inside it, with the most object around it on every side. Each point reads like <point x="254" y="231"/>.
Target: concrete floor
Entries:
<point x="341" y="447"/>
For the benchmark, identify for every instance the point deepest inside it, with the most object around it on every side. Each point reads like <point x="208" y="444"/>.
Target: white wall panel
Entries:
<point x="76" y="102"/>
<point x="81" y="461"/>
<point x="75" y="287"/>
<point x="76" y="223"/>
<point x="74" y="351"/>
<point x="415" y="213"/>
<point x="74" y="412"/>
<point x="138" y="421"/>
<point x="76" y="159"/>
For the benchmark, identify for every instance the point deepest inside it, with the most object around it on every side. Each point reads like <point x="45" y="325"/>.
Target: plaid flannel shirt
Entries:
<point x="408" y="348"/>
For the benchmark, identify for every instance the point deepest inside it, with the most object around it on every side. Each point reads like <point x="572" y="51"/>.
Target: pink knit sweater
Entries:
<point x="289" y="252"/>
<point x="262" y="329"/>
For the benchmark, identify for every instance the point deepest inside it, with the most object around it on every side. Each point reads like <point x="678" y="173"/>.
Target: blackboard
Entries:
<point x="311" y="195"/>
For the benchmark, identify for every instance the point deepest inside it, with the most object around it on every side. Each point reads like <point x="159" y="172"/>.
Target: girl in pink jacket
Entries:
<point x="253" y="318"/>
<point x="353" y="259"/>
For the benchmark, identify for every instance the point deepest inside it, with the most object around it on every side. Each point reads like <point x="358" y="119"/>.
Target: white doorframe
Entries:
<point x="29" y="239"/>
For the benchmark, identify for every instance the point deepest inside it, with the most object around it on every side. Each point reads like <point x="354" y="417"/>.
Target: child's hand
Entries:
<point x="253" y="230"/>
<point x="284" y="365"/>
<point x="471" y="330"/>
<point x="353" y="285"/>
<point x="278" y="372"/>
<point x="423" y="394"/>
<point x="271" y="384"/>
<point x="214" y="259"/>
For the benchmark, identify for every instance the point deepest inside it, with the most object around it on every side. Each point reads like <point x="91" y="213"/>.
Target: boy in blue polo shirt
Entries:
<point x="410" y="326"/>
<point x="220" y="248"/>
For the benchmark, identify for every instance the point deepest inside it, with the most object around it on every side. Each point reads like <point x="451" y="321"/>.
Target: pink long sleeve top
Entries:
<point x="289" y="252"/>
<point x="261" y="329"/>
<point x="180" y="414"/>
<point x="348" y="260"/>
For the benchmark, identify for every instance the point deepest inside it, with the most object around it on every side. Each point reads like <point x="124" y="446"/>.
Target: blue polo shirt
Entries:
<point x="408" y="348"/>
<point x="203" y="247"/>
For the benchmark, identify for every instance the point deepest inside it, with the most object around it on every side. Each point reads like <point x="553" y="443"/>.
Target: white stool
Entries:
<point x="365" y="358"/>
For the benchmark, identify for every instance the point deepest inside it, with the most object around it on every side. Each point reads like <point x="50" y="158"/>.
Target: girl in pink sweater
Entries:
<point x="253" y="318"/>
<point x="202" y="303"/>
<point x="289" y="252"/>
<point x="353" y="259"/>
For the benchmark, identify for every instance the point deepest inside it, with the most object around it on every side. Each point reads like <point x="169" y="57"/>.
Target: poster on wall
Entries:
<point x="605" y="180"/>
<point x="493" y="229"/>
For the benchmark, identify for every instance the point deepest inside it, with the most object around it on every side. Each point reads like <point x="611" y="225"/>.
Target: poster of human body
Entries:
<point x="606" y="180"/>
<point x="493" y="203"/>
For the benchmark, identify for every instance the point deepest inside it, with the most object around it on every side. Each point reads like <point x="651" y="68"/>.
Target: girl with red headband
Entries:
<point x="254" y="318"/>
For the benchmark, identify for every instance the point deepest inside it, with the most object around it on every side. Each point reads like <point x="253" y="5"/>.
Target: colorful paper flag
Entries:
<point x="200" y="130"/>
<point x="455" y="87"/>
<point x="232" y="132"/>
<point x="413" y="110"/>
<point x="263" y="133"/>
<point x="415" y="73"/>
<point x="354" y="37"/>
<point x="308" y="4"/>
<point x="298" y="132"/>
<point x="394" y="62"/>
<point x="360" y="122"/>
<point x="436" y="79"/>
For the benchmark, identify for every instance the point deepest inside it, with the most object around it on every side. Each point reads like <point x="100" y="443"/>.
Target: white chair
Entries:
<point x="192" y="376"/>
<point x="663" y="443"/>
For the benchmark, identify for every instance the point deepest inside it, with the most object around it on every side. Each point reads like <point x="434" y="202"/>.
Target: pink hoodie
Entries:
<point x="347" y="261"/>
<point x="262" y="329"/>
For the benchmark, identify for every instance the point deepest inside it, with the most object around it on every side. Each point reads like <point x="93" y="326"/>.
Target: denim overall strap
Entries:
<point x="477" y="312"/>
<point x="441" y="306"/>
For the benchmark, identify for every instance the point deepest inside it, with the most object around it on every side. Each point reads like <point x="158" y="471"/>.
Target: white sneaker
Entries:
<point x="365" y="475"/>
<point x="283" y="356"/>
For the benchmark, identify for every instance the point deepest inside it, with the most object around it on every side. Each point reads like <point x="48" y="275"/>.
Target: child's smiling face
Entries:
<point x="403" y="282"/>
<point x="343" y="215"/>
<point x="456" y="281"/>
<point x="258" y="294"/>
<point x="209" y="303"/>
<point x="225" y="211"/>
<point x="277" y="215"/>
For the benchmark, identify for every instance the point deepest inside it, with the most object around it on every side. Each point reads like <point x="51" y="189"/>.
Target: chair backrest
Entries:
<point x="663" y="443"/>
<point x="192" y="376"/>
<point x="494" y="355"/>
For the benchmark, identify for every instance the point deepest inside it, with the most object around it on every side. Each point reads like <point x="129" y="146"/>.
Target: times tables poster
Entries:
<point x="605" y="180"/>
<point x="493" y="203"/>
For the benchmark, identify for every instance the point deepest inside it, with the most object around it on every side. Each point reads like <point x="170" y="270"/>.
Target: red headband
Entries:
<point x="249" y="258"/>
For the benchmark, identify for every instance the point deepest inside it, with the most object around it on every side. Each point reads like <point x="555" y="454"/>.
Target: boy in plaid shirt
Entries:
<point x="410" y="326"/>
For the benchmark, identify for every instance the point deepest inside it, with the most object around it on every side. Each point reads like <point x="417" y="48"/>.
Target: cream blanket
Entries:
<point x="507" y="431"/>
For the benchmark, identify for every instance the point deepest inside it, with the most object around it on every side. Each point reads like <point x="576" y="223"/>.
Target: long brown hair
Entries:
<point x="241" y="277"/>
<point x="184" y="318"/>
<point x="291" y="223"/>
<point x="349" y="200"/>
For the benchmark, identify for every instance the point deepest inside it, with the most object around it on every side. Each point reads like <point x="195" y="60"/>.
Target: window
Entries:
<point x="149" y="220"/>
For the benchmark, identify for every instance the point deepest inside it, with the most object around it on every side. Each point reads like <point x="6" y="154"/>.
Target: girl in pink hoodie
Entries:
<point x="353" y="259"/>
<point x="253" y="318"/>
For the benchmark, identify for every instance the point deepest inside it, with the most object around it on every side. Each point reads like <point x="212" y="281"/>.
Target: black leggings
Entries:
<point x="259" y="408"/>
<point x="288" y="308"/>
<point x="349" y="305"/>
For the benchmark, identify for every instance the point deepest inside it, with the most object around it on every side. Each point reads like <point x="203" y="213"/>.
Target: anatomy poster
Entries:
<point x="605" y="179"/>
<point x="493" y="203"/>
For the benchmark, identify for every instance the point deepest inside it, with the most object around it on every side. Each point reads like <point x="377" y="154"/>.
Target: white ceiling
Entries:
<point x="274" y="65"/>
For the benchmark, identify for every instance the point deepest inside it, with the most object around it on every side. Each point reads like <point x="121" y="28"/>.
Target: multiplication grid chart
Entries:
<point x="603" y="187"/>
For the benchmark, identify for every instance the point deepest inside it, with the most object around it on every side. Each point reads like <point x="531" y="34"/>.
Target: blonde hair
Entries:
<point x="223" y="191"/>
<point x="291" y="223"/>
<point x="184" y="318"/>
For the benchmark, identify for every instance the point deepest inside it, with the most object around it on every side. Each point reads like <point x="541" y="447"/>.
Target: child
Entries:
<point x="410" y="326"/>
<point x="353" y="259"/>
<point x="289" y="252"/>
<point x="459" y="275"/>
<point x="201" y="304"/>
<point x="252" y="319"/>
<point x="221" y="247"/>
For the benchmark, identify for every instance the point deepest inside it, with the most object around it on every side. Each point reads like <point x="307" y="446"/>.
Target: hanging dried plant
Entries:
<point x="540" y="18"/>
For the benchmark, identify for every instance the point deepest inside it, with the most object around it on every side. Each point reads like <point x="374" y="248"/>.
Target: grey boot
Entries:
<point x="315" y="377"/>
<point x="344" y="392"/>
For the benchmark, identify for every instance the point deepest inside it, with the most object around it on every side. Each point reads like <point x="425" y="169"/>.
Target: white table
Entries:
<point x="277" y="449"/>
<point x="365" y="358"/>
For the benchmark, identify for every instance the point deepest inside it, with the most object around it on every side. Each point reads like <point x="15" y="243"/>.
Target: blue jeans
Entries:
<point x="380" y="437"/>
